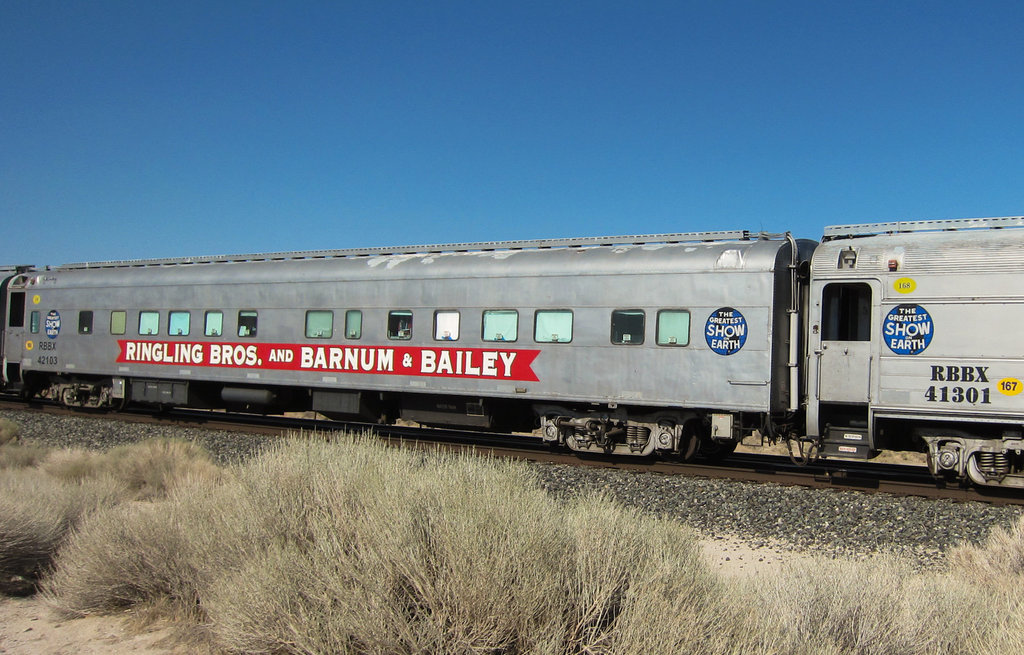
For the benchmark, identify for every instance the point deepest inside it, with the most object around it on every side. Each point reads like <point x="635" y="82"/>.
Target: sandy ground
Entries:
<point x="734" y="557"/>
<point x="29" y="627"/>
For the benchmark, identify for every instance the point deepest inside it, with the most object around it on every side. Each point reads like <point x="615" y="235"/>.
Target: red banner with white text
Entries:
<point x="481" y="363"/>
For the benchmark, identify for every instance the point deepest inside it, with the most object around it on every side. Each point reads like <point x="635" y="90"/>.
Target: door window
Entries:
<point x="846" y="312"/>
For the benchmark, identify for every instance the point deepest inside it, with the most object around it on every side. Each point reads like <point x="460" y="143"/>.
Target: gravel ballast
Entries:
<point x="836" y="523"/>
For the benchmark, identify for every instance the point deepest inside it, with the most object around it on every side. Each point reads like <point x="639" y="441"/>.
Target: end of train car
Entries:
<point x="12" y="310"/>
<point x="912" y="345"/>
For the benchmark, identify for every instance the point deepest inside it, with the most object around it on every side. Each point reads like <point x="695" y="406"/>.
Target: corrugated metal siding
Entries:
<point x="991" y="251"/>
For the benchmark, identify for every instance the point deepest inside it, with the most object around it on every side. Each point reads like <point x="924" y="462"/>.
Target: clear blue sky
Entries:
<point x="165" y="128"/>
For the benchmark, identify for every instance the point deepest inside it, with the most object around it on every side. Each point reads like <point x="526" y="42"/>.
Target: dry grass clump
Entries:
<point x="153" y="467"/>
<point x="36" y="514"/>
<point x="73" y="464"/>
<point x="446" y="554"/>
<point x="136" y="554"/>
<point x="9" y="431"/>
<point x="149" y="469"/>
<point x="15" y="455"/>
<point x="354" y="548"/>
<point x="45" y="494"/>
<point x="998" y="563"/>
<point x="995" y="569"/>
<point x="882" y="606"/>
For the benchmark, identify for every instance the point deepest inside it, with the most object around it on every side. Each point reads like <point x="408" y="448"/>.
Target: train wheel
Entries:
<point x="68" y="397"/>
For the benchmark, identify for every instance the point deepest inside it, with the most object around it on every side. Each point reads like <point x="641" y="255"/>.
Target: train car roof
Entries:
<point x="437" y="248"/>
<point x="973" y="245"/>
<point x="856" y="230"/>
<point x="690" y="252"/>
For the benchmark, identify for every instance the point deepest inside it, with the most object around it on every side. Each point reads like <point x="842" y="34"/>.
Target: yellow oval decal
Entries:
<point x="904" y="285"/>
<point x="1010" y="386"/>
<point x="36" y="299"/>
<point x="29" y="345"/>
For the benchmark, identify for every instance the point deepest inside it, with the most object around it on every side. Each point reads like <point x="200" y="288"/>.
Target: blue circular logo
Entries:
<point x="52" y="324"/>
<point x="907" y="329"/>
<point x="726" y="331"/>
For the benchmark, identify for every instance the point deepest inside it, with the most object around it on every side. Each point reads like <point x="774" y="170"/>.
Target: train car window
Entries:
<point x="628" y="327"/>
<point x="319" y="324"/>
<point x="179" y="324"/>
<point x="846" y="312"/>
<point x="214" y="324"/>
<point x="673" y="327"/>
<point x="501" y="325"/>
<point x="149" y="322"/>
<point x="247" y="323"/>
<point x="446" y="326"/>
<point x="400" y="325"/>
<point x="353" y="324"/>
<point x="552" y="326"/>
<point x="16" y="315"/>
<point x="85" y="322"/>
<point x="118" y="321"/>
<point x="33" y="322"/>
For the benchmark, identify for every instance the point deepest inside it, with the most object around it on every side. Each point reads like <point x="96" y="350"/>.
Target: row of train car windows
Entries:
<point x="628" y="326"/>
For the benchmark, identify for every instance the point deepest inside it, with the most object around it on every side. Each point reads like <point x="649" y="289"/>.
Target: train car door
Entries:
<point x="844" y="359"/>
<point x="14" y="333"/>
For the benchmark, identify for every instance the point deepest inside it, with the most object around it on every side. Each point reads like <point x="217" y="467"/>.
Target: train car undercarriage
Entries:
<point x="994" y="459"/>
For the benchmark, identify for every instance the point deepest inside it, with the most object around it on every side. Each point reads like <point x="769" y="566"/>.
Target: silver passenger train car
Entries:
<point x="890" y="336"/>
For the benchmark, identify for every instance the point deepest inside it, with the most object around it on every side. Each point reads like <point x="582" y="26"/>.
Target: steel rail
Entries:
<point x="893" y="479"/>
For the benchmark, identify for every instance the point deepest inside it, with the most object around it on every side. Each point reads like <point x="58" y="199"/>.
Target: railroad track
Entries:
<point x="895" y="479"/>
